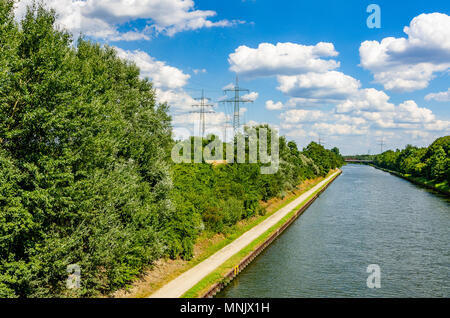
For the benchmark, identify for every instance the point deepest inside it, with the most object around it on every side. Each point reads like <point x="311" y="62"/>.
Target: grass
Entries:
<point x="217" y="275"/>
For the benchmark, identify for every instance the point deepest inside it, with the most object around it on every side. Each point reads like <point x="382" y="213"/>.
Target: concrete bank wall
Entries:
<point x="214" y="289"/>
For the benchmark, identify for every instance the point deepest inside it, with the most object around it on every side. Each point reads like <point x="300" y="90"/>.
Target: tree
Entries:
<point x="438" y="164"/>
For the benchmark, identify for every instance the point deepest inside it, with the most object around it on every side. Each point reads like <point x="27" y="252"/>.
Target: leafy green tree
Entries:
<point x="438" y="164"/>
<point x="83" y="163"/>
<point x="432" y="163"/>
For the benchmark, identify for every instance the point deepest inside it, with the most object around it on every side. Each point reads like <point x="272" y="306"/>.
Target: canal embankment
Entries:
<point x="197" y="281"/>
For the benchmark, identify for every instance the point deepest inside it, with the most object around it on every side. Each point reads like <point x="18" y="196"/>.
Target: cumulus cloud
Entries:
<point x="102" y="19"/>
<point x="370" y="99"/>
<point x="282" y="59"/>
<point x="407" y="64"/>
<point x="167" y="80"/>
<point x="228" y="86"/>
<point x="301" y="115"/>
<point x="338" y="129"/>
<point x="271" y="105"/>
<point x="374" y="107"/>
<point x="251" y="96"/>
<point x="161" y="74"/>
<point x="329" y="85"/>
<point x="439" y="125"/>
<point x="440" y="97"/>
<point x="410" y="112"/>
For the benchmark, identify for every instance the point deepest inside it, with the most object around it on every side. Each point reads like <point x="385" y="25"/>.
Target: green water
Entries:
<point x="366" y="216"/>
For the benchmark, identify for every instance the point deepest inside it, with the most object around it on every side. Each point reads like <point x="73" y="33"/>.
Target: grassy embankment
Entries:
<point x="208" y="244"/>
<point x="217" y="275"/>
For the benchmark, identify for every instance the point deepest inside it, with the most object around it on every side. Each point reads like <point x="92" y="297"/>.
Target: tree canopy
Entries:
<point x="85" y="170"/>
<point x="432" y="163"/>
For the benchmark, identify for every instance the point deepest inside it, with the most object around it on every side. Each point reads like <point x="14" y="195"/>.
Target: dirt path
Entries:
<point x="180" y="285"/>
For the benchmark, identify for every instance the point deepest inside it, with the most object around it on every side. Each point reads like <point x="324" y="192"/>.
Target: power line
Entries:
<point x="203" y="105"/>
<point x="236" y="100"/>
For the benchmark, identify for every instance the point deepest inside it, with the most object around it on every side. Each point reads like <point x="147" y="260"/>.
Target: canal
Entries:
<point x="366" y="216"/>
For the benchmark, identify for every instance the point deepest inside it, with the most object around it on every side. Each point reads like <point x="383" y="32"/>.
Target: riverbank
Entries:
<point x="441" y="187"/>
<point x="196" y="281"/>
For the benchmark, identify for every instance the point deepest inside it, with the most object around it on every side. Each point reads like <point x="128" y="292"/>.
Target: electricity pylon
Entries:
<point x="236" y="100"/>
<point x="203" y="105"/>
<point x="321" y="141"/>
<point x="381" y="143"/>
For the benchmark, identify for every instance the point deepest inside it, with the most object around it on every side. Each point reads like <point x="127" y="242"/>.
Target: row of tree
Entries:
<point x="85" y="170"/>
<point x="431" y="163"/>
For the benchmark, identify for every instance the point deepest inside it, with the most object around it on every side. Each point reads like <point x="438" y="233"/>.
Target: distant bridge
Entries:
<point x="358" y="161"/>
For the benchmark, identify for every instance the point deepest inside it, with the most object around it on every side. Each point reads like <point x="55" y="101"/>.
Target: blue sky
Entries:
<point x="314" y="60"/>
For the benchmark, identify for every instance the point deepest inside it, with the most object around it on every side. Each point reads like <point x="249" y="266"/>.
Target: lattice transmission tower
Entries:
<point x="381" y="143"/>
<point x="236" y="100"/>
<point x="203" y="111"/>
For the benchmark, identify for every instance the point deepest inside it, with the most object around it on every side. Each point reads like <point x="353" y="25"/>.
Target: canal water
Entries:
<point x="366" y="216"/>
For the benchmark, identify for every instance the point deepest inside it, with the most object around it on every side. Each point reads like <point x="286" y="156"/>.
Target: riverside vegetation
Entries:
<point x="85" y="171"/>
<point x="429" y="166"/>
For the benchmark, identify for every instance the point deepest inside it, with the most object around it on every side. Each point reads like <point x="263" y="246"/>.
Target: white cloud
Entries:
<point x="418" y="134"/>
<point x="177" y="99"/>
<point x="283" y="58"/>
<point x="440" y="97"/>
<point x="161" y="74"/>
<point x="214" y="119"/>
<point x="167" y="80"/>
<point x="298" y="132"/>
<point x="271" y="105"/>
<point x="329" y="85"/>
<point x="408" y="64"/>
<point x="301" y="115"/>
<point x="339" y="129"/>
<point x="439" y="125"/>
<point x="251" y="96"/>
<point x="229" y="86"/>
<point x="370" y="99"/>
<point x="101" y="19"/>
<point x="410" y="112"/>
<point x="374" y="107"/>
<point x="351" y="120"/>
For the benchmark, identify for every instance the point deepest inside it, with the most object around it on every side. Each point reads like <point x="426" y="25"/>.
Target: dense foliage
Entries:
<point x="83" y="173"/>
<point x="85" y="169"/>
<point x="431" y="163"/>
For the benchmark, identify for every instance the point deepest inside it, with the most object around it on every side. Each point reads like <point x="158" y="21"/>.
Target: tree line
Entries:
<point x="85" y="171"/>
<point x="431" y="163"/>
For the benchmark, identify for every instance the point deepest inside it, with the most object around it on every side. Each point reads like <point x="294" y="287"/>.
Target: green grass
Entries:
<point x="217" y="275"/>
